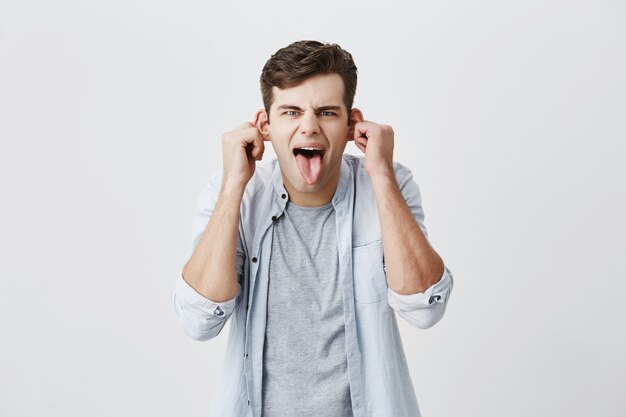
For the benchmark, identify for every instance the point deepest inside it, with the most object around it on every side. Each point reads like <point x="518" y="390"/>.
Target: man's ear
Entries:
<point x="356" y="116"/>
<point x="261" y="122"/>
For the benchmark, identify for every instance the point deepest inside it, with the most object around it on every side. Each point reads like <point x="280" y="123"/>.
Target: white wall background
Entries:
<point x="510" y="113"/>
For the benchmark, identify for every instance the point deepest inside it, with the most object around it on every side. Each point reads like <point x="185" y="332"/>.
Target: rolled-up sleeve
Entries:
<point x="424" y="309"/>
<point x="200" y="318"/>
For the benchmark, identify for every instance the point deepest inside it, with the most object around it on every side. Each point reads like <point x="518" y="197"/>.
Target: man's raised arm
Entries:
<point x="205" y="296"/>
<point x="419" y="282"/>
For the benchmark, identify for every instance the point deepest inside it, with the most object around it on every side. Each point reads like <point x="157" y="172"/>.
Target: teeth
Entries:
<point x="311" y="149"/>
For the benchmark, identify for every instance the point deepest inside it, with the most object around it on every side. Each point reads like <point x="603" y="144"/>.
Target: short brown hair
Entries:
<point x="293" y="64"/>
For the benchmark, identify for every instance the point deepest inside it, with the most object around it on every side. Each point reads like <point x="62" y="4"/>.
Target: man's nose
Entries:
<point x="309" y="125"/>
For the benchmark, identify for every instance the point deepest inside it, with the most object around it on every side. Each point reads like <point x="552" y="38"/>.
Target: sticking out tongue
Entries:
<point x="310" y="167"/>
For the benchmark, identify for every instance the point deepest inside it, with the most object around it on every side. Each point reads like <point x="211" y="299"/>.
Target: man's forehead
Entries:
<point x="321" y="90"/>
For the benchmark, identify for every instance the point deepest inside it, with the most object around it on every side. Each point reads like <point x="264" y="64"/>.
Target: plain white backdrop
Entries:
<point x="511" y="115"/>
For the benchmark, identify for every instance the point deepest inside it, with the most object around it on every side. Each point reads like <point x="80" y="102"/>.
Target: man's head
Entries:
<point x="308" y="88"/>
<point x="293" y="64"/>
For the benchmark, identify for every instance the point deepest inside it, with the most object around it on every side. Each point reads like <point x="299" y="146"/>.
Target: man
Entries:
<point x="310" y="255"/>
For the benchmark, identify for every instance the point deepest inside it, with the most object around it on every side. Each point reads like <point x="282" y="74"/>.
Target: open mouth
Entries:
<point x="309" y="160"/>
<point x="309" y="152"/>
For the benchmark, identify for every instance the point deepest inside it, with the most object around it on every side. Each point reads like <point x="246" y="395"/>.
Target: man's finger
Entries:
<point x="258" y="147"/>
<point x="249" y="134"/>
<point x="361" y="144"/>
<point x="360" y="132"/>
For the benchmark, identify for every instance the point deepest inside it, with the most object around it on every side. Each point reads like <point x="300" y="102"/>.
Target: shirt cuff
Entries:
<point x="436" y="293"/>
<point x="198" y="303"/>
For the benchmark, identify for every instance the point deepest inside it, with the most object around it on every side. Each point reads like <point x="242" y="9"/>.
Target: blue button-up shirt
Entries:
<point x="380" y="384"/>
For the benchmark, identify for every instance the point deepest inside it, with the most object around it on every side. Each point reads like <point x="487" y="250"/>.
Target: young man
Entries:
<point x="311" y="255"/>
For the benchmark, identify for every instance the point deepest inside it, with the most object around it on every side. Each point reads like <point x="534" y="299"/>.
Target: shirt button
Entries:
<point x="434" y="298"/>
<point x="254" y="259"/>
<point x="273" y="218"/>
<point x="218" y="311"/>
<point x="283" y="196"/>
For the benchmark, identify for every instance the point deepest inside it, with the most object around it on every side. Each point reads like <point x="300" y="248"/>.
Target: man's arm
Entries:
<point x="201" y="317"/>
<point x="204" y="296"/>
<point x="211" y="269"/>
<point x="412" y="265"/>
<point x="419" y="283"/>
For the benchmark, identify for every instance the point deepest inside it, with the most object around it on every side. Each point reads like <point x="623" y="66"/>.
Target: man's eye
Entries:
<point x="327" y="113"/>
<point x="291" y="113"/>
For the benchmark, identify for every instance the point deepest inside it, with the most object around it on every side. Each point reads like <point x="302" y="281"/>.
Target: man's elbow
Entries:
<point x="198" y="325"/>
<point x="423" y="318"/>
<point x="201" y="319"/>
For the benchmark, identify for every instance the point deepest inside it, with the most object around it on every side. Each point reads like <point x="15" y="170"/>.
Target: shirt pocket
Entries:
<point x="370" y="282"/>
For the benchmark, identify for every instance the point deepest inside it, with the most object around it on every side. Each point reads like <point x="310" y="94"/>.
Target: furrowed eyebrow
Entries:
<point x="317" y="109"/>
<point x="326" y="108"/>
<point x="288" y="107"/>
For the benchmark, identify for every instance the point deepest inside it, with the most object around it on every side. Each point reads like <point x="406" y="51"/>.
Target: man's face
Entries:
<point x="308" y="128"/>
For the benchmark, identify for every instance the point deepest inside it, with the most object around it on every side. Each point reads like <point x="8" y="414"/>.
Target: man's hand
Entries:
<point x="241" y="148"/>
<point x="376" y="141"/>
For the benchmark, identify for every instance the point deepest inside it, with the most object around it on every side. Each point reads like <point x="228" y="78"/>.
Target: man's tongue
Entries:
<point x="310" y="167"/>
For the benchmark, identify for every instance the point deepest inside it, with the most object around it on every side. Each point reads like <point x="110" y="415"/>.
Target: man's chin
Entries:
<point x="303" y="186"/>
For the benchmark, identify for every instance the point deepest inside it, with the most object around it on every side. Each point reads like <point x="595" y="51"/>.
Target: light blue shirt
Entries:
<point x="380" y="383"/>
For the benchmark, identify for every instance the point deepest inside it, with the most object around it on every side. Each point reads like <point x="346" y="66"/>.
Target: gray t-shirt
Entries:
<point x="304" y="356"/>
